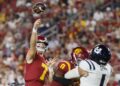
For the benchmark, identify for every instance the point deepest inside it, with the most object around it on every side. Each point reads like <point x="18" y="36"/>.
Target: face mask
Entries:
<point x="40" y="50"/>
<point x="40" y="47"/>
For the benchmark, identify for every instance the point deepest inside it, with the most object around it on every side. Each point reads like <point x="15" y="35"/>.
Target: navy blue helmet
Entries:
<point x="101" y="54"/>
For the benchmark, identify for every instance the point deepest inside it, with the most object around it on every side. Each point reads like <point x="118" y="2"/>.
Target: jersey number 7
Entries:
<point x="42" y="77"/>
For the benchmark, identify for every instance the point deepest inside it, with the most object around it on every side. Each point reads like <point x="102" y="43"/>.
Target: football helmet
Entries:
<point x="79" y="53"/>
<point x="100" y="54"/>
<point x="41" y="44"/>
<point x="39" y="7"/>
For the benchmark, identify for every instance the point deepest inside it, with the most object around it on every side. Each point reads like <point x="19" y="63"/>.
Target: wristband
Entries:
<point x="34" y="30"/>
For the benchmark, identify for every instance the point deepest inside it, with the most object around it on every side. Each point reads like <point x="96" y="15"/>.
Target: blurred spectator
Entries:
<point x="108" y="15"/>
<point x="98" y="15"/>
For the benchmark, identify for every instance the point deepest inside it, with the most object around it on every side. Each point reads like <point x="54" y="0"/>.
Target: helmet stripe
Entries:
<point x="68" y="64"/>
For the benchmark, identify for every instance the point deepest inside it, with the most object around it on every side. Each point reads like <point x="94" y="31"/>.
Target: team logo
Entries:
<point x="77" y="51"/>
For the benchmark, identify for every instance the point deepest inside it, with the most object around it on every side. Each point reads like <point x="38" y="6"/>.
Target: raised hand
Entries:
<point x="37" y="24"/>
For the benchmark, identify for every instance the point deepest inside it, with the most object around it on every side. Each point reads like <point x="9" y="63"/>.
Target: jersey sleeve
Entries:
<point x="84" y="65"/>
<point x="110" y="69"/>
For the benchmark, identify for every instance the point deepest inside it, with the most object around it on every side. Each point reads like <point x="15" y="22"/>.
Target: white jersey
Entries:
<point x="98" y="75"/>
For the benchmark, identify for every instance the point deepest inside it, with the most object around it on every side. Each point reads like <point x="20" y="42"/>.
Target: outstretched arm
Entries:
<point x="31" y="53"/>
<point x="75" y="73"/>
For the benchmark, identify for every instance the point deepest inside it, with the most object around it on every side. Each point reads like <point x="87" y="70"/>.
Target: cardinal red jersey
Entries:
<point x="36" y="72"/>
<point x="61" y="69"/>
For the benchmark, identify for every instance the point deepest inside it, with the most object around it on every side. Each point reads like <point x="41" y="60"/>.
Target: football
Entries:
<point x="39" y="7"/>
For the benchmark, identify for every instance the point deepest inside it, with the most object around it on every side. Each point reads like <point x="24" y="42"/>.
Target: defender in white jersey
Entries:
<point x="97" y="70"/>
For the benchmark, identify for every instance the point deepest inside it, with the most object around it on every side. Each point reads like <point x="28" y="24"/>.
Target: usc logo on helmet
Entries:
<point x="62" y="66"/>
<point x="79" y="53"/>
<point x="77" y="50"/>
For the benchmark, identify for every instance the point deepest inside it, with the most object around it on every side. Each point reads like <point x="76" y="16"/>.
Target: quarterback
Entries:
<point x="36" y="69"/>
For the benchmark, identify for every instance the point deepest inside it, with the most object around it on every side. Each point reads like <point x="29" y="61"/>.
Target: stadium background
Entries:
<point x="66" y="23"/>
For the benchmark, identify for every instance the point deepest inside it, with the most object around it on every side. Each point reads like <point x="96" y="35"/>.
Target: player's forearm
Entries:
<point x="33" y="40"/>
<point x="34" y="34"/>
<point x="75" y="73"/>
<point x="32" y="50"/>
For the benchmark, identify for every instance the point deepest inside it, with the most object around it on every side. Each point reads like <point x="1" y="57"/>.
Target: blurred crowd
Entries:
<point x="78" y="22"/>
